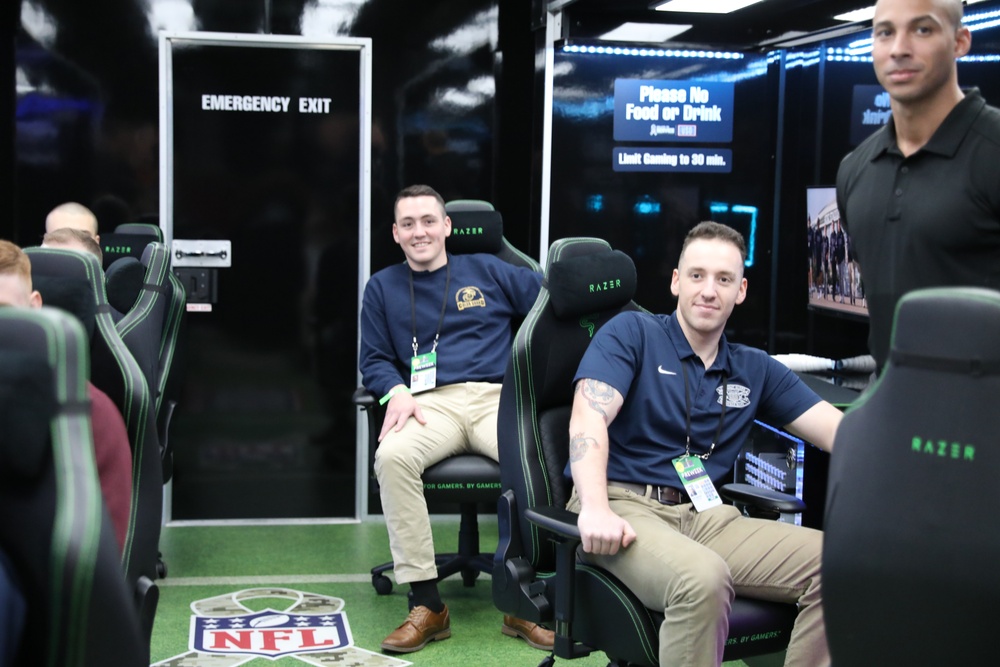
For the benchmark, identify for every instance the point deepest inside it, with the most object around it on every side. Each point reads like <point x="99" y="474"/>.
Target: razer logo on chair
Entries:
<point x="605" y="285"/>
<point x="588" y="325"/>
<point x="467" y="231"/>
<point x="943" y="449"/>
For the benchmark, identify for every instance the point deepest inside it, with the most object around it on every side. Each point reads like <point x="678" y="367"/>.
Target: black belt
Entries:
<point x="667" y="495"/>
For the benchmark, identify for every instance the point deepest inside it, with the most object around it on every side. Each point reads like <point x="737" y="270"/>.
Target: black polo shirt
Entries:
<point x="928" y="220"/>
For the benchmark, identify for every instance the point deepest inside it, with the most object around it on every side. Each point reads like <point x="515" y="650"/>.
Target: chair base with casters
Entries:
<point x="478" y="472"/>
<point x="470" y="480"/>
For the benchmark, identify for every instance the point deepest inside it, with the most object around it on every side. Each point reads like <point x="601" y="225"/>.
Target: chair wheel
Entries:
<point x="161" y="569"/>
<point x="469" y="577"/>
<point x="548" y="662"/>
<point x="382" y="584"/>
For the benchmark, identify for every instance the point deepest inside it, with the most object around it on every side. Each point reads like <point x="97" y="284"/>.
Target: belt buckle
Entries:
<point x="659" y="496"/>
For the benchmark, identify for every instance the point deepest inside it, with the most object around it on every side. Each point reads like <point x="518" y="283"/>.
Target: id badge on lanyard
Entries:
<point x="423" y="367"/>
<point x="423" y="372"/>
<point x="697" y="484"/>
<point x="691" y="468"/>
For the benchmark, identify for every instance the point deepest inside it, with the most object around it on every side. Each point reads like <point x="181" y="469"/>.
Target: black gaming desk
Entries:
<point x="775" y="459"/>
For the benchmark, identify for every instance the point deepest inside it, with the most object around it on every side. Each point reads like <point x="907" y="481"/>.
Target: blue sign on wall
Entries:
<point x="869" y="111"/>
<point x="650" y="110"/>
<point x="704" y="160"/>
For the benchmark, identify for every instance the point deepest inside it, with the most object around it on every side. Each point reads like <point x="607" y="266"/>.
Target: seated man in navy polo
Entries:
<point x="662" y="406"/>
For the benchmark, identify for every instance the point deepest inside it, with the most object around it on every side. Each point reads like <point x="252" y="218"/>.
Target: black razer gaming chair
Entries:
<point x="466" y="480"/>
<point x="536" y="575"/>
<point x="152" y="323"/>
<point x="910" y="549"/>
<point x="74" y="282"/>
<point x="143" y="324"/>
<point x="477" y="227"/>
<point x="54" y="528"/>
<point x="160" y="279"/>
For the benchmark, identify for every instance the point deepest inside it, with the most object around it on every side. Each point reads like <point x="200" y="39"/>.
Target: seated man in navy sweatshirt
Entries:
<point x="435" y="335"/>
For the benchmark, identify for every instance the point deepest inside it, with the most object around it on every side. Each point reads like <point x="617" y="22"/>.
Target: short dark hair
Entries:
<point x="418" y="191"/>
<point x="710" y="230"/>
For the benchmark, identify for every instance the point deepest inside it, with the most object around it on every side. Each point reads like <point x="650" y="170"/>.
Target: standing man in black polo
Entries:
<point x="920" y="198"/>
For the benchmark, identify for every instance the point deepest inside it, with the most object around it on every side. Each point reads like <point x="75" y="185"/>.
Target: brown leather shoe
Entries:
<point x="536" y="636"/>
<point x="419" y="628"/>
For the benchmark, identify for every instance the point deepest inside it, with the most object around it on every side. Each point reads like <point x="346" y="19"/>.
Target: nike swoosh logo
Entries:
<point x="660" y="368"/>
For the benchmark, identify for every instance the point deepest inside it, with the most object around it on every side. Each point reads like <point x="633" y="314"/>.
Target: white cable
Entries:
<point x="805" y="363"/>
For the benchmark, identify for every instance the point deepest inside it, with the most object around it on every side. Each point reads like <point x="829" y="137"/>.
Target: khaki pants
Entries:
<point x="690" y="564"/>
<point x="460" y="418"/>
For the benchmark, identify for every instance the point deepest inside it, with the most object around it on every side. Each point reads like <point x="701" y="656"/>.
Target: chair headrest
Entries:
<point x="475" y="231"/>
<point x="948" y="328"/>
<point x="586" y="284"/>
<point x="67" y="280"/>
<point x="116" y="245"/>
<point x="141" y="229"/>
<point x="124" y="279"/>
<point x="27" y="406"/>
<point x="467" y="205"/>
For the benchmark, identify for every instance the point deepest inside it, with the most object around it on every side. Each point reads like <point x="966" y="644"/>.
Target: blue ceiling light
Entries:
<point x="719" y="208"/>
<point x="646" y="206"/>
<point x="595" y="203"/>
<point x="645" y="52"/>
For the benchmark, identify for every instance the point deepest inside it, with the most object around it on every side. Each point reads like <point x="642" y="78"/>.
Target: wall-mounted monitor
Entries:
<point x="834" y="276"/>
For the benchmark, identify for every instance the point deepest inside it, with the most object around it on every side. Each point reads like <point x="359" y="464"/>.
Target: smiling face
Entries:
<point x="708" y="283"/>
<point x="420" y="230"/>
<point x="916" y="44"/>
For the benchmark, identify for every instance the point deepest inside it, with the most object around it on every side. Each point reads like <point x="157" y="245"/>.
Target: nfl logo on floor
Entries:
<point x="270" y="633"/>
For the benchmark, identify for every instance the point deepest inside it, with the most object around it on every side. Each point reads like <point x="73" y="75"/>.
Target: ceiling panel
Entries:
<point x="752" y="27"/>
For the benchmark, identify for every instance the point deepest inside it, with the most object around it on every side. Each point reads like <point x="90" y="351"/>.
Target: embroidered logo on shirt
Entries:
<point x="737" y="396"/>
<point x="469" y="297"/>
<point x="660" y="368"/>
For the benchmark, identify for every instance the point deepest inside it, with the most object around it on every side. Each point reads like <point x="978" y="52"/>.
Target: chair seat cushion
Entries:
<point x="463" y="478"/>
<point x="756" y="627"/>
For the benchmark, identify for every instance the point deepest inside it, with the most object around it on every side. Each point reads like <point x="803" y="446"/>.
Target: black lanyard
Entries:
<point x="687" y="415"/>
<point x="413" y="309"/>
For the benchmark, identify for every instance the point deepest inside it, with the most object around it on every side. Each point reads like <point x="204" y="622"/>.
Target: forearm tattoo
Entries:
<point x="599" y="396"/>
<point x="578" y="446"/>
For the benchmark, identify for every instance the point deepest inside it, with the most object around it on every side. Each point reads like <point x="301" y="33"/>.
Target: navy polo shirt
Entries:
<point x="931" y="219"/>
<point x="641" y="355"/>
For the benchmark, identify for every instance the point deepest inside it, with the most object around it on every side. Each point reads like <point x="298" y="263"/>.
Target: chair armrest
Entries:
<point x="556" y="520"/>
<point x="364" y="399"/>
<point x="765" y="499"/>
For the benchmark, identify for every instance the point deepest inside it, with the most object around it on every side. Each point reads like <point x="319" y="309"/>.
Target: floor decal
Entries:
<point x="313" y="629"/>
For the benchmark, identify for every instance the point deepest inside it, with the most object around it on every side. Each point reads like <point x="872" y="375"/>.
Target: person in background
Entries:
<point x="920" y="198"/>
<point x="112" y="452"/>
<point x="435" y="337"/>
<point x="74" y="216"/>
<point x="663" y="405"/>
<point x="73" y="239"/>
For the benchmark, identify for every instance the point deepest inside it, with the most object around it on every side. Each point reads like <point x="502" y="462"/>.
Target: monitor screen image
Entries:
<point x="834" y="276"/>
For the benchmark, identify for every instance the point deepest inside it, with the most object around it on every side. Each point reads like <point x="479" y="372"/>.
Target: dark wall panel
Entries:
<point x="647" y="214"/>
